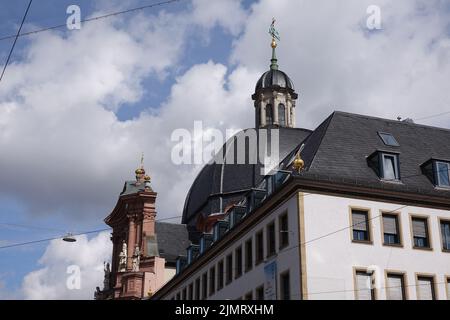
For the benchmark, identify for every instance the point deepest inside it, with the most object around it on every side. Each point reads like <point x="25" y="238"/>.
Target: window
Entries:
<point x="443" y="174"/>
<point x="249" y="296"/>
<point x="385" y="165"/>
<point x="238" y="261"/>
<point x="260" y="293"/>
<point x="191" y="292"/>
<point x="205" y="286"/>
<point x="445" y="234"/>
<point x="259" y="243"/>
<point x="364" y="286"/>
<point x="390" y="167"/>
<point x="391" y="232"/>
<point x="284" y="230"/>
<point x="281" y="114"/>
<point x="395" y="286"/>
<point x="271" y="239"/>
<point x="360" y="225"/>
<point x="248" y="255"/>
<point x="212" y="281"/>
<point x="388" y="139"/>
<point x="178" y="296"/>
<point x="269" y="114"/>
<point x="184" y="293"/>
<point x="229" y="268"/>
<point x="197" y="289"/>
<point x="420" y="233"/>
<point x="425" y="288"/>
<point x="285" y="286"/>
<point x="220" y="275"/>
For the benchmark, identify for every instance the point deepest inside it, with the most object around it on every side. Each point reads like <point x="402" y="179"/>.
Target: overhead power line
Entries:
<point x="433" y="116"/>
<point x="15" y="40"/>
<point x="112" y="14"/>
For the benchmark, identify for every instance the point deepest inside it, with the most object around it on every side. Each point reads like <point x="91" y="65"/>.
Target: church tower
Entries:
<point x="274" y="94"/>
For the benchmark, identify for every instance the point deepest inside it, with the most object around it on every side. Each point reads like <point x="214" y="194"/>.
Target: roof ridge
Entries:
<point x="345" y="113"/>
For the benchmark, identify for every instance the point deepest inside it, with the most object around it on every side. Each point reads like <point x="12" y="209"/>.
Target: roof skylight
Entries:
<point x="388" y="139"/>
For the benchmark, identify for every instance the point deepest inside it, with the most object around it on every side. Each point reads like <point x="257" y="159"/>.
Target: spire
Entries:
<point x="275" y="36"/>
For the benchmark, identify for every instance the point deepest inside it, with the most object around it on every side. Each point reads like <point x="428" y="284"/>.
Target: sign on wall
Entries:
<point x="270" y="276"/>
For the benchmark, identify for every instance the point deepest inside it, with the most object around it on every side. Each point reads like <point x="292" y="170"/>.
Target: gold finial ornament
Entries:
<point x="274" y="44"/>
<point x="147" y="178"/>
<point x="298" y="164"/>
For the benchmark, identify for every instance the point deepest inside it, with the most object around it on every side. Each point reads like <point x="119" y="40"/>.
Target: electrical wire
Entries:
<point x="15" y="40"/>
<point x="93" y="18"/>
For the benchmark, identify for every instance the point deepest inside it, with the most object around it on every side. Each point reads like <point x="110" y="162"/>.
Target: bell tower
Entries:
<point x="274" y="95"/>
<point x="136" y="269"/>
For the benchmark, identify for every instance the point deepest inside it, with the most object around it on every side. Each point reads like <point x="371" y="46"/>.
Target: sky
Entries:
<point x="78" y="107"/>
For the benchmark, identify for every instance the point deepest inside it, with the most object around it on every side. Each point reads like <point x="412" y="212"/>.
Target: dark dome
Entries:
<point x="274" y="78"/>
<point x="218" y="185"/>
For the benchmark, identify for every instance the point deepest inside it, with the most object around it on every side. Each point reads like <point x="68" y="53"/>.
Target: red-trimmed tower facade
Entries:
<point x="136" y="269"/>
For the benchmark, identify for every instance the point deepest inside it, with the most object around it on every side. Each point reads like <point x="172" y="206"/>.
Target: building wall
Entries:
<point x="330" y="261"/>
<point x="287" y="259"/>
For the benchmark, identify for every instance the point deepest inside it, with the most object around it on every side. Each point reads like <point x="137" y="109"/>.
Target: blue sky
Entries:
<point x="68" y="144"/>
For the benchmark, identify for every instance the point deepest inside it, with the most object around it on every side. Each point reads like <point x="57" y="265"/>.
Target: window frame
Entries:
<point x="282" y="110"/>
<point x="429" y="238"/>
<point x="271" y="253"/>
<point x="398" y="217"/>
<point x="374" y="291"/>
<point x="369" y="225"/>
<point x="205" y="285"/>
<point x="229" y="269"/>
<point x="259" y="259"/>
<point x="436" y="173"/>
<point x="257" y="290"/>
<point x="440" y="221"/>
<point x="404" y="276"/>
<point x="220" y="274"/>
<point x="431" y="276"/>
<point x="282" y="287"/>
<point x="248" y="260"/>
<point x="238" y="262"/>
<point x="396" y="168"/>
<point x="283" y="233"/>
<point x="381" y="133"/>
<point x="212" y="280"/>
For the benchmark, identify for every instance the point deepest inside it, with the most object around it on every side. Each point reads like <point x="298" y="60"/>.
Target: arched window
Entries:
<point x="269" y="114"/>
<point x="281" y="114"/>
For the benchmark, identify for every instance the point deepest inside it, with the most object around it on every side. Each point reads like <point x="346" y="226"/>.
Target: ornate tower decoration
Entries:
<point x="274" y="93"/>
<point x="136" y="267"/>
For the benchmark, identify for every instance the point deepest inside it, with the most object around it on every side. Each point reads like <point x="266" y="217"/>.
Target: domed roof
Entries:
<point x="274" y="78"/>
<point x="219" y="185"/>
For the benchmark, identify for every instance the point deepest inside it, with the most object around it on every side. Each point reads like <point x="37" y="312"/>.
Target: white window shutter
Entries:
<point x="359" y="221"/>
<point x="394" y="288"/>
<point x="363" y="286"/>
<point x="390" y="224"/>
<point x="419" y="228"/>
<point x="425" y="289"/>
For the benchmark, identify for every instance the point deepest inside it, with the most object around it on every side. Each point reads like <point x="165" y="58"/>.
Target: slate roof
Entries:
<point x="338" y="149"/>
<point x="172" y="241"/>
<point x="230" y="181"/>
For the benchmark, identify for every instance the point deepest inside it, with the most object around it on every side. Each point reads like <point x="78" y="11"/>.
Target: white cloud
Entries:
<point x="227" y="14"/>
<point x="50" y="281"/>
<point x="336" y="63"/>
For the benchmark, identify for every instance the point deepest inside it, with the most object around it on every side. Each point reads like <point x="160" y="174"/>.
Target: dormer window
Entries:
<point x="438" y="171"/>
<point x="443" y="174"/>
<point x="386" y="165"/>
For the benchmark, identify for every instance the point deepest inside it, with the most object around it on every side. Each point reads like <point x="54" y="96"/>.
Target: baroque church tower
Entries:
<point x="274" y="95"/>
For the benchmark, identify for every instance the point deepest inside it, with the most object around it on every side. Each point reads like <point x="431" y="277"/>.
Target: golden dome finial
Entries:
<point x="298" y="164"/>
